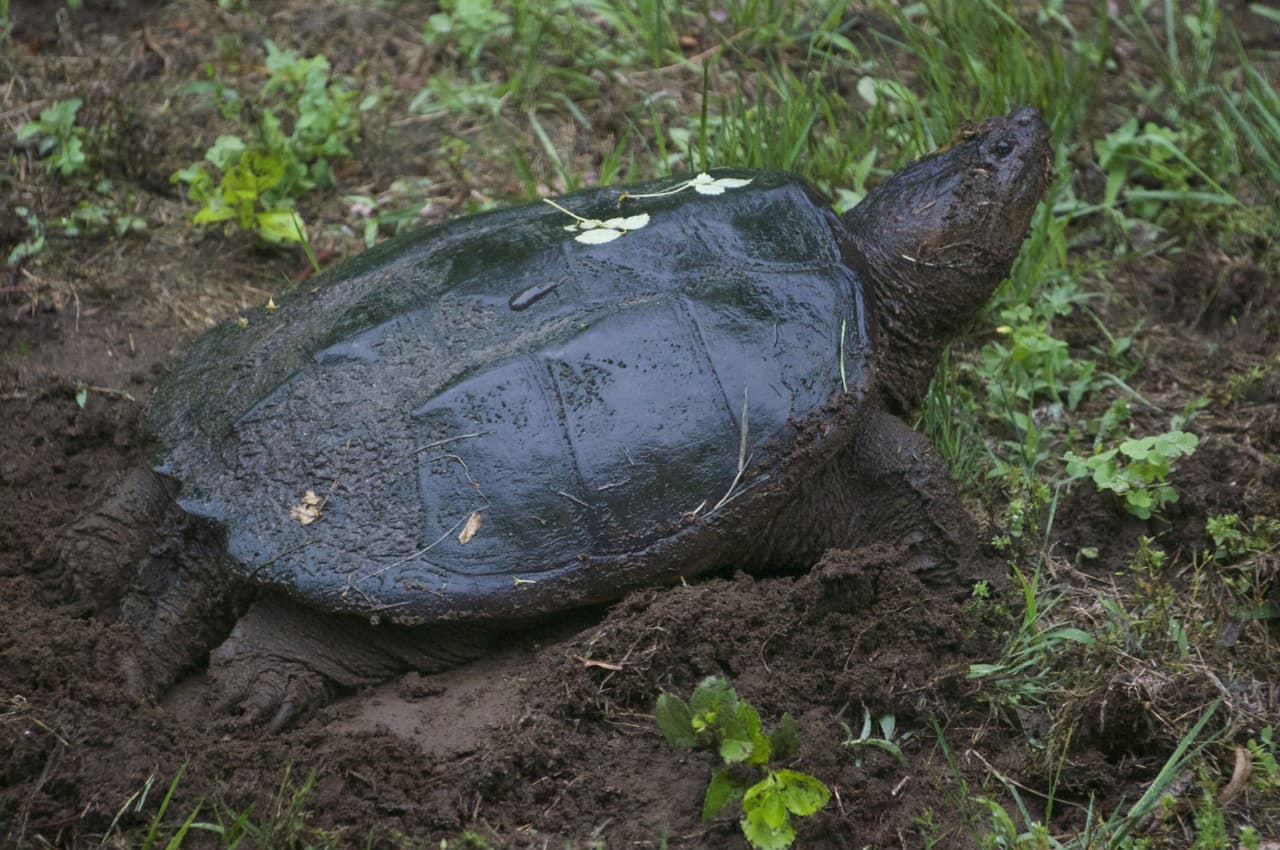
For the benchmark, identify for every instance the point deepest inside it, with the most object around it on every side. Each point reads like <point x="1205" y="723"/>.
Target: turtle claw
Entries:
<point x="271" y="698"/>
<point x="262" y="672"/>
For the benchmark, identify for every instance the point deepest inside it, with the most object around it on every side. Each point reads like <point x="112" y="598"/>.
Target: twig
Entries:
<point x="447" y="440"/>
<point x="696" y="58"/>
<point x="425" y="549"/>
<point x="743" y="457"/>
<point x="124" y="394"/>
<point x="572" y="498"/>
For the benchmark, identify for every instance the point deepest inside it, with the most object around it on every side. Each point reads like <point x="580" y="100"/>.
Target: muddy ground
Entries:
<point x="550" y="742"/>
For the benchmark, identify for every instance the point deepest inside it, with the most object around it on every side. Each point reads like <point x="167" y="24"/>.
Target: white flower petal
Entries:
<point x="633" y="222"/>
<point x="598" y="236"/>
<point x="733" y="182"/>
<point x="708" y="189"/>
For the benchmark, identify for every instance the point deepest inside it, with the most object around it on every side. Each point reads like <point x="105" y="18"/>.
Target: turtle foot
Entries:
<point x="283" y="660"/>
<point x="274" y="696"/>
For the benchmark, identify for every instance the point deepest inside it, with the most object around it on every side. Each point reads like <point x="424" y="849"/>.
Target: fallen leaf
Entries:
<point x="309" y="510"/>
<point x="469" y="530"/>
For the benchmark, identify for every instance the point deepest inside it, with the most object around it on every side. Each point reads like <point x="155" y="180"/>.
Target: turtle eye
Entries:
<point x="1002" y="148"/>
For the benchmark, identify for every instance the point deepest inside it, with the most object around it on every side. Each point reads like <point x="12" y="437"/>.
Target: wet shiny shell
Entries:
<point x="495" y="419"/>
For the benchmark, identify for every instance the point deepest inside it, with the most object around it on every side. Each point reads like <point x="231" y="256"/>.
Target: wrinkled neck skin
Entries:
<point x="920" y="301"/>
<point x="933" y="242"/>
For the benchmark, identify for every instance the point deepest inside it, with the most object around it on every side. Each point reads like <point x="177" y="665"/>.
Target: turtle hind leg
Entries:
<point x="283" y="659"/>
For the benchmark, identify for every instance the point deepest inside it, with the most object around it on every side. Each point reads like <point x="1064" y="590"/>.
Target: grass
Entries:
<point x="844" y="99"/>
<point x="281" y="826"/>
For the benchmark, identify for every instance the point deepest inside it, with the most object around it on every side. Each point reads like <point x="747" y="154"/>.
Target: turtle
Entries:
<point x="525" y="411"/>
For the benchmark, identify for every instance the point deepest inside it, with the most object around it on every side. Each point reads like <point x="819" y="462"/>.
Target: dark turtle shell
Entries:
<point x="588" y="418"/>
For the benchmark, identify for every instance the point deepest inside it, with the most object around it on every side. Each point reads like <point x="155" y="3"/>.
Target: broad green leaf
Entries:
<point x="675" y="721"/>
<point x="784" y="740"/>
<point x="267" y="168"/>
<point x="761" y="750"/>
<point x="1139" y="448"/>
<point x="1177" y="443"/>
<point x="764" y="837"/>
<point x="800" y="793"/>
<point x="765" y="821"/>
<point x="281" y="226"/>
<point x="1076" y="466"/>
<point x="1139" y="503"/>
<point x="763" y="802"/>
<point x="213" y="213"/>
<point x="721" y="791"/>
<point x="735" y="750"/>
<point x="888" y="723"/>
<point x="225" y="151"/>
<point x="1070" y="634"/>
<point x="710" y="699"/>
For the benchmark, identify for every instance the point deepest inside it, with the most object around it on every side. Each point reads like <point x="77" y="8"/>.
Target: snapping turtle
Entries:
<point x="525" y="411"/>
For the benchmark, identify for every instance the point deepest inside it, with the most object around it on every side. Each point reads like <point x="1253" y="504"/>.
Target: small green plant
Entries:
<point x="61" y="140"/>
<point x="245" y="194"/>
<point x="33" y="244"/>
<point x="469" y="24"/>
<point x="1025" y="673"/>
<point x="888" y="725"/>
<point x="253" y="185"/>
<point x="1131" y="156"/>
<point x="1137" y="470"/>
<point x="1234" y="538"/>
<point x="715" y="719"/>
<point x="103" y="213"/>
<point x="1265" y="775"/>
<point x="1003" y="834"/>
<point x="282" y="823"/>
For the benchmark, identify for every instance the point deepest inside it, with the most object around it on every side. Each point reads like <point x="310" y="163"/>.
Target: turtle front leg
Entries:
<point x="912" y="503"/>
<point x="283" y="659"/>
<point x="887" y="488"/>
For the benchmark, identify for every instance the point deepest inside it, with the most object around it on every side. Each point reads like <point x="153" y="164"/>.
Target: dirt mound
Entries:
<point x="549" y="741"/>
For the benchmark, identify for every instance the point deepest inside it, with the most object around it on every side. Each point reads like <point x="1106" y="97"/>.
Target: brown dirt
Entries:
<point x="550" y="742"/>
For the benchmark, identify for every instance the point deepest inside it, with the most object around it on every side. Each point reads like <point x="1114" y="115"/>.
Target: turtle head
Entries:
<point x="934" y="240"/>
